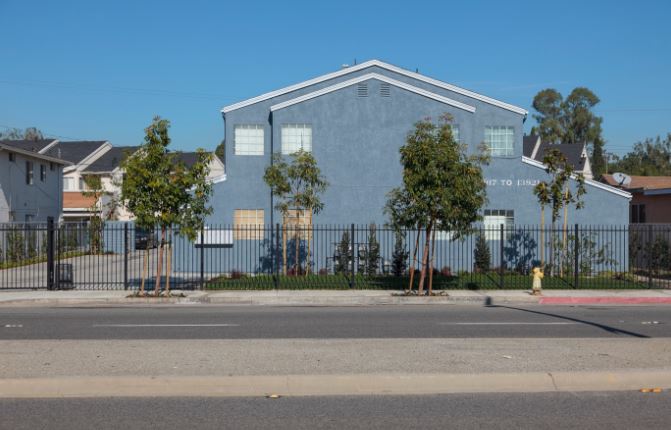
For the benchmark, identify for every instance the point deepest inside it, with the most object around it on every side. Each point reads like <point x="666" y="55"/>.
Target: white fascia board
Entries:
<point x="379" y="77"/>
<point x="382" y="65"/>
<point x="93" y="156"/>
<point x="590" y="182"/>
<point x="48" y="147"/>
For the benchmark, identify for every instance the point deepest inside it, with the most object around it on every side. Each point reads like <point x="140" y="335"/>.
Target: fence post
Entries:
<point x="352" y="282"/>
<point x="202" y="257"/>
<point x="649" y="255"/>
<point x="502" y="265"/>
<point x="576" y="257"/>
<point x="50" y="253"/>
<point x="276" y="268"/>
<point x="125" y="255"/>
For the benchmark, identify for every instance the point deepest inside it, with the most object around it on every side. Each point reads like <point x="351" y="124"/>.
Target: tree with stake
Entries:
<point x="298" y="186"/>
<point x="443" y="187"/>
<point x="161" y="191"/>
<point x="557" y="193"/>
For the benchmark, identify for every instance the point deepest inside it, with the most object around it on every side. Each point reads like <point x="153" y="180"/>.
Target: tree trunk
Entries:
<point x="542" y="241"/>
<point x="168" y="263"/>
<point x="564" y="235"/>
<point x="159" y="263"/>
<point x="431" y="260"/>
<point x="309" y="239"/>
<point x="414" y="261"/>
<point x="425" y="258"/>
<point x="145" y="270"/>
<point x="297" y="243"/>
<point x="284" y="246"/>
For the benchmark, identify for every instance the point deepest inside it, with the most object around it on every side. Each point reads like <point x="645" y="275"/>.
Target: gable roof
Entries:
<point x="75" y="152"/>
<point x="30" y="153"/>
<point x="381" y="65"/>
<point x="641" y="182"/>
<point x="529" y="143"/>
<point x="379" y="77"/>
<point x="572" y="151"/>
<point x="111" y="159"/>
<point x="30" y="145"/>
<point x="595" y="184"/>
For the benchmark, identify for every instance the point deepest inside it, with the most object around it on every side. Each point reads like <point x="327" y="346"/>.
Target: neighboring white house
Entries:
<point x="30" y="182"/>
<point x="108" y="167"/>
<point x="576" y="154"/>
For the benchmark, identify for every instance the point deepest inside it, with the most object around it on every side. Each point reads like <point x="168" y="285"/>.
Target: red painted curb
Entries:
<point x="603" y="300"/>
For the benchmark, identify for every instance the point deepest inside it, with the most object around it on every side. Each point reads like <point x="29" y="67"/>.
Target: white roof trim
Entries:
<point x="379" y="77"/>
<point x="382" y="65"/>
<point x="591" y="182"/>
<point x="46" y="148"/>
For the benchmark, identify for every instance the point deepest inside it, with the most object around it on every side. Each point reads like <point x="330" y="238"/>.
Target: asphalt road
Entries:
<point x="604" y="410"/>
<point x="380" y="322"/>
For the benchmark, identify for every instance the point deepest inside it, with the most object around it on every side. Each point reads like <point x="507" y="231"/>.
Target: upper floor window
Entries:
<point x="29" y="173"/>
<point x="296" y="137"/>
<point x="68" y="184"/>
<point x="248" y="139"/>
<point x="12" y="157"/>
<point x="500" y="140"/>
<point x="52" y="166"/>
<point x="43" y="172"/>
<point x="82" y="184"/>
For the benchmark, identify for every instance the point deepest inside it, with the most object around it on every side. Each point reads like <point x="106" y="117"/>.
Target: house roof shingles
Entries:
<point x="29" y="145"/>
<point x="111" y="159"/>
<point x="75" y="152"/>
<point x="572" y="152"/>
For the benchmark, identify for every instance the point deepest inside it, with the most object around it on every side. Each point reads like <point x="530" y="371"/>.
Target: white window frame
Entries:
<point x="296" y="137"/>
<point x="492" y="220"/>
<point x="68" y="184"/>
<point x="248" y="139"/>
<point x="500" y="140"/>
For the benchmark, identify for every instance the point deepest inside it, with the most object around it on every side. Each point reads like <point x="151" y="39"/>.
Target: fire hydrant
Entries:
<point x="537" y="273"/>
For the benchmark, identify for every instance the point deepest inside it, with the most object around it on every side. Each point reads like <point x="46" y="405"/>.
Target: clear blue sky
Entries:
<point x="101" y="70"/>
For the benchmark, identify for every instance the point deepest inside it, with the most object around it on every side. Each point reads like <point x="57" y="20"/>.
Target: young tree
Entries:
<point x="481" y="254"/>
<point x="399" y="258"/>
<point x="443" y="187"/>
<point x="94" y="190"/>
<point x="557" y="193"/>
<point x="161" y="191"/>
<point x="373" y="252"/>
<point x="344" y="255"/>
<point x="298" y="187"/>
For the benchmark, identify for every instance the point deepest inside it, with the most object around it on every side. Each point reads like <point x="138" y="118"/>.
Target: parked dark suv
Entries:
<point x="145" y="239"/>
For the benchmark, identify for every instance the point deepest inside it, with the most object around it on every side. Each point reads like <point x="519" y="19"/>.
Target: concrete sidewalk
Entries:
<point x="337" y="297"/>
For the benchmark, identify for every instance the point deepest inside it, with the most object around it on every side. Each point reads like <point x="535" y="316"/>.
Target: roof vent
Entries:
<point x="385" y="89"/>
<point x="362" y="89"/>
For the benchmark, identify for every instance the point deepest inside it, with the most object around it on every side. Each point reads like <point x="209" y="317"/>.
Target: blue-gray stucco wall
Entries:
<point x="356" y="142"/>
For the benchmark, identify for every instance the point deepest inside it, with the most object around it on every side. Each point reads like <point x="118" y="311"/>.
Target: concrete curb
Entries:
<point x="335" y="298"/>
<point x="331" y="385"/>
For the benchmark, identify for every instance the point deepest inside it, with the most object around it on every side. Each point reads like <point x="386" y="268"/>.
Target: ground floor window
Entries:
<point x="297" y="222"/>
<point x="248" y="224"/>
<point x="637" y="215"/>
<point x="494" y="218"/>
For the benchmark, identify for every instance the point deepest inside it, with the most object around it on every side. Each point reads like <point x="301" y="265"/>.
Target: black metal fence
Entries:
<point x="119" y="256"/>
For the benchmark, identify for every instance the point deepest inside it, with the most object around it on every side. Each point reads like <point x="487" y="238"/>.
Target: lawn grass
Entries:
<point x="488" y="281"/>
<point x="40" y="259"/>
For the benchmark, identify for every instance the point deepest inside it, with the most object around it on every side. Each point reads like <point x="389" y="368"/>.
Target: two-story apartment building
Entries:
<point x="30" y="182"/>
<point x="354" y="121"/>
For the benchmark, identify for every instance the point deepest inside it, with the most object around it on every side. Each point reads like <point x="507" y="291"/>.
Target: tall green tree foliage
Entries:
<point x="570" y="120"/>
<point x="651" y="157"/>
<point x="297" y="185"/>
<point x="162" y="192"/>
<point x="443" y="188"/>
